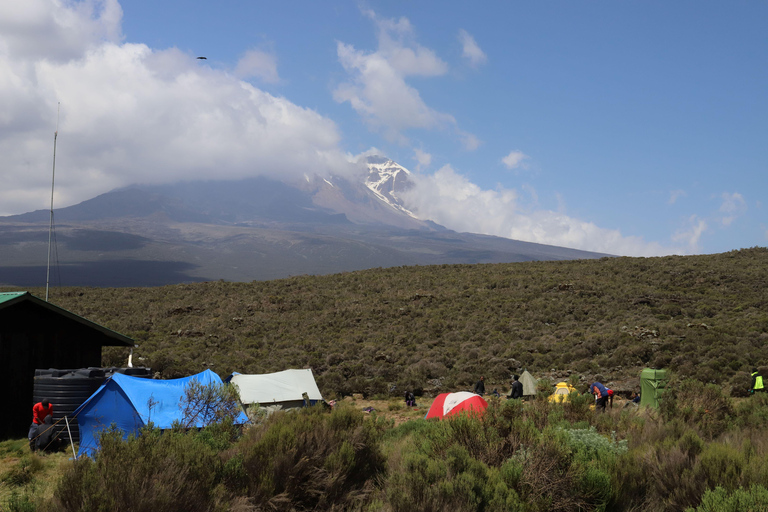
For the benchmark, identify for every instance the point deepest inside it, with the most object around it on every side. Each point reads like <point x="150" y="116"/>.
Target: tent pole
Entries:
<point x="72" y="443"/>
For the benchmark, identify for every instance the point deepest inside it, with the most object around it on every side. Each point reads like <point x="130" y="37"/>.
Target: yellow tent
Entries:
<point x="562" y="393"/>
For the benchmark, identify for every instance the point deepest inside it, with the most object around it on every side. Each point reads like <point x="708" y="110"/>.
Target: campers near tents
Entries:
<point x="129" y="403"/>
<point x="276" y="391"/>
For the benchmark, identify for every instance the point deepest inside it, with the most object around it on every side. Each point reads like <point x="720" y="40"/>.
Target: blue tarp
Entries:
<point x="131" y="402"/>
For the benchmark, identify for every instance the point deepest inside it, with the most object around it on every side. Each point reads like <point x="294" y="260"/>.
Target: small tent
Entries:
<point x="562" y="393"/>
<point x="529" y="384"/>
<point x="280" y="390"/>
<point x="652" y="384"/>
<point x="450" y="404"/>
<point x="129" y="403"/>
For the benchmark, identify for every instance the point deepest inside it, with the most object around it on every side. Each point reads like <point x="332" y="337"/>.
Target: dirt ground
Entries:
<point x="396" y="410"/>
<point x="392" y="409"/>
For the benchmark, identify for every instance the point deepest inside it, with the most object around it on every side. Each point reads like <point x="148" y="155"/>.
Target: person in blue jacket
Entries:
<point x="601" y="395"/>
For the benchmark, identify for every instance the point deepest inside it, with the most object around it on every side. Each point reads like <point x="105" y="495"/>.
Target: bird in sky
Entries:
<point x="202" y="58"/>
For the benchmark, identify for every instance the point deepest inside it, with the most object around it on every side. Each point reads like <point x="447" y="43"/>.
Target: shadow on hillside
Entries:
<point x="112" y="273"/>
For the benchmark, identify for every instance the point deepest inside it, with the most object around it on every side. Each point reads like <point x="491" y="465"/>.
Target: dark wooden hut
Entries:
<point x="36" y="334"/>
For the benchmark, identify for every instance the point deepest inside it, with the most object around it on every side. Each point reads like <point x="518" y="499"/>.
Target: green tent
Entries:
<point x="652" y="384"/>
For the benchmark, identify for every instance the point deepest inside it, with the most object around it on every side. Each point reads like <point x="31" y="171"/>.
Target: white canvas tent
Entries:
<point x="280" y="390"/>
<point x="529" y="384"/>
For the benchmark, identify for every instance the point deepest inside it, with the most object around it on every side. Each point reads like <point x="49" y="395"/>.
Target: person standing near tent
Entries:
<point x="601" y="395"/>
<point x="517" y="388"/>
<point x="40" y="411"/>
<point x="480" y="386"/>
<point x="757" y="382"/>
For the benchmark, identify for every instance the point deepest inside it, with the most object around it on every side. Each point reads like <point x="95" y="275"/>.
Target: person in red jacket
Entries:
<point x="39" y="412"/>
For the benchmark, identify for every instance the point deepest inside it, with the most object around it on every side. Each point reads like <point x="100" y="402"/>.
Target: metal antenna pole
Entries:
<point x="50" y="226"/>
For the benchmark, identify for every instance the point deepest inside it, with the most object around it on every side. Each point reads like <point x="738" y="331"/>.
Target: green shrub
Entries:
<point x="431" y="468"/>
<point x="702" y="406"/>
<point x="173" y="471"/>
<point x="207" y="404"/>
<point x="721" y="465"/>
<point x="590" y="445"/>
<point x="23" y="471"/>
<point x="312" y="460"/>
<point x="740" y="500"/>
<point x="19" y="503"/>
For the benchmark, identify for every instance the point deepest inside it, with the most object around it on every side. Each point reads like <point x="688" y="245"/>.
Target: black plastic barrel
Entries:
<point x="68" y="389"/>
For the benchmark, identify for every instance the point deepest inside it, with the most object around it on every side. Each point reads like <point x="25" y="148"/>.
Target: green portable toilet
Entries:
<point x="652" y="384"/>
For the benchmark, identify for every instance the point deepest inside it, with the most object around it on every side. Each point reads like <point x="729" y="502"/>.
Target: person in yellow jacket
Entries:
<point x="757" y="382"/>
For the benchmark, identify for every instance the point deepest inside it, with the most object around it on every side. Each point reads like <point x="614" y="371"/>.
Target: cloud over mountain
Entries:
<point x="449" y="198"/>
<point x="131" y="114"/>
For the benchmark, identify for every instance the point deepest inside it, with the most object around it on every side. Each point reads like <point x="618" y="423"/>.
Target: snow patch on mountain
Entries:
<point x="386" y="179"/>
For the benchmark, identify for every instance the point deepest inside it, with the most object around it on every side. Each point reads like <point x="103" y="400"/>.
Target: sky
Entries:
<point x="635" y="128"/>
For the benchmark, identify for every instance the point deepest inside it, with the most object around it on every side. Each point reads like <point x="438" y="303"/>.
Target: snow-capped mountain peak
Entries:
<point x="388" y="180"/>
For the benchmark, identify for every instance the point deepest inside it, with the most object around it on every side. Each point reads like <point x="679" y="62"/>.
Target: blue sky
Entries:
<point x="634" y="128"/>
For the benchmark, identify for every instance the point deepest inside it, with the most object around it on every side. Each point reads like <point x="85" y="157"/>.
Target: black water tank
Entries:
<point x="68" y="389"/>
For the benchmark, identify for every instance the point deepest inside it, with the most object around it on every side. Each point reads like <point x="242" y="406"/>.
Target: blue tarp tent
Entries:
<point x="131" y="402"/>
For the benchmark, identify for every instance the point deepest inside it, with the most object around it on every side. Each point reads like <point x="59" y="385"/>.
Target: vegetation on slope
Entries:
<point x="438" y="328"/>
<point x="702" y="450"/>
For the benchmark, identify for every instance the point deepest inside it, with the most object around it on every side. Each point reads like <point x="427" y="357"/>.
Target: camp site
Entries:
<point x="321" y="365"/>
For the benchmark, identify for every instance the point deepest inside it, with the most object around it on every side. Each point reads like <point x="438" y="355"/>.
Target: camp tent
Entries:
<point x="529" y="384"/>
<point x="129" y="403"/>
<point x="562" y="392"/>
<point x="450" y="404"/>
<point x="280" y="390"/>
<point x="652" y="384"/>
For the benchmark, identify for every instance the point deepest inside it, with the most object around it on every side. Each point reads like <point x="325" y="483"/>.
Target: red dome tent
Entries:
<point x="450" y="404"/>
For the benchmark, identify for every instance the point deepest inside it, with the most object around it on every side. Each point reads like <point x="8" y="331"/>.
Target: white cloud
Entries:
<point x="675" y="195"/>
<point x="57" y="30"/>
<point x="691" y="233"/>
<point x="258" y="64"/>
<point x="471" y="50"/>
<point x="469" y="141"/>
<point x="732" y="207"/>
<point x="378" y="90"/>
<point x="131" y="114"/>
<point x="514" y="159"/>
<point x="381" y="96"/>
<point x="452" y="200"/>
<point x="423" y="158"/>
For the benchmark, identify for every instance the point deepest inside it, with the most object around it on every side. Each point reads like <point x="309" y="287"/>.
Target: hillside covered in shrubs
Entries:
<point x="438" y="328"/>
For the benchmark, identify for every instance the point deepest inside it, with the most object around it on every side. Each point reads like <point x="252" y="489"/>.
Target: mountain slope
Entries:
<point x="253" y="229"/>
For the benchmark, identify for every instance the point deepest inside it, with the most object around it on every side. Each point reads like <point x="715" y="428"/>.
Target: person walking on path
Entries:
<point x="601" y="395"/>
<point x="517" y="388"/>
<point x="39" y="412"/>
<point x="480" y="387"/>
<point x="757" y="382"/>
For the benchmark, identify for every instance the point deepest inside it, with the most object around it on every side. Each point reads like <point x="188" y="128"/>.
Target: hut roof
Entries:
<point x="108" y="338"/>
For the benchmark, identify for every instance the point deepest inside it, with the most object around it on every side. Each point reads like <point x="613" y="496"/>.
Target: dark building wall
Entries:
<point x="34" y="337"/>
